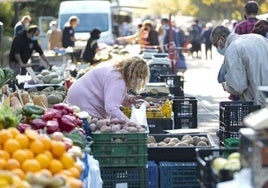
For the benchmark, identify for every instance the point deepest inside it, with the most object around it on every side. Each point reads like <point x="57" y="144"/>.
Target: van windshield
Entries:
<point x="88" y="21"/>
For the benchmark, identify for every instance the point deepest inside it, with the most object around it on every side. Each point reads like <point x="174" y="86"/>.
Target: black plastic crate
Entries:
<point x="231" y="118"/>
<point x="172" y="80"/>
<point x="185" y="112"/>
<point x="178" y="174"/>
<point x="126" y="177"/>
<point x="153" y="175"/>
<point x="204" y="157"/>
<point x="158" y="125"/>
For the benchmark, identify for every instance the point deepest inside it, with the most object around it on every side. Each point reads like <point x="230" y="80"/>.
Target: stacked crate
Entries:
<point x="185" y="112"/>
<point x="231" y="118"/>
<point x="122" y="158"/>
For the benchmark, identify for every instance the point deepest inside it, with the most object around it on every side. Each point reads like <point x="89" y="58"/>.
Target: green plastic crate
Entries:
<point x="116" y="150"/>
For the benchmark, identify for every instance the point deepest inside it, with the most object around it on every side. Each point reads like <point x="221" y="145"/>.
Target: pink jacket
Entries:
<point x="100" y="92"/>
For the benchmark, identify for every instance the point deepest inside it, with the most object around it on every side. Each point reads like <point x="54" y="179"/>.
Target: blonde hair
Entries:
<point x="135" y="72"/>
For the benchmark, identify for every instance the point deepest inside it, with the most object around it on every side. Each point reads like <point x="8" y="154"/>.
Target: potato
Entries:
<point x="115" y="128"/>
<point x="142" y="130"/>
<point x="174" y="140"/>
<point x="202" y="138"/>
<point x="132" y="129"/>
<point x="93" y="127"/>
<point x="131" y="124"/>
<point x="181" y="144"/>
<point x="186" y="137"/>
<point x="94" y="120"/>
<point x="166" y="140"/>
<point x="161" y="144"/>
<point x="202" y="143"/>
<point x="196" y="140"/>
<point x="105" y="129"/>
<point x="190" y="140"/>
<point x="115" y="121"/>
<point x="151" y="139"/>
<point x="100" y="123"/>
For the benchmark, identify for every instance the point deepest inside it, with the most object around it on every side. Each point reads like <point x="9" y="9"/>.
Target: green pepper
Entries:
<point x="29" y="110"/>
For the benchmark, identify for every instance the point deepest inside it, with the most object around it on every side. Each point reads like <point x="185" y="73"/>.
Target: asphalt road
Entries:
<point x="201" y="83"/>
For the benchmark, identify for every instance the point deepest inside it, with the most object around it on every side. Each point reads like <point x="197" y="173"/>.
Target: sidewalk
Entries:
<point x="201" y="83"/>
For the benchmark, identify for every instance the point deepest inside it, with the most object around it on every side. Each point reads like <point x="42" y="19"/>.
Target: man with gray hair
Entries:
<point x="245" y="57"/>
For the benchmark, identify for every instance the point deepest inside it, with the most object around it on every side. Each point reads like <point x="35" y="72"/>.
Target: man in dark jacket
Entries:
<point x="91" y="46"/>
<point x="22" y="48"/>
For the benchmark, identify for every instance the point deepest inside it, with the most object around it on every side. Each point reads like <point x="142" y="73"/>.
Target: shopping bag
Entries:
<point x="138" y="115"/>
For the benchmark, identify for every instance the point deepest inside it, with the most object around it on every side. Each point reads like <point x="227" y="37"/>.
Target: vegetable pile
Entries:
<point x="185" y="141"/>
<point x="114" y="125"/>
<point x="59" y="118"/>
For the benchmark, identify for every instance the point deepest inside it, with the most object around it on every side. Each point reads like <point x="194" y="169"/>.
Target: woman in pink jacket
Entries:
<point x="103" y="89"/>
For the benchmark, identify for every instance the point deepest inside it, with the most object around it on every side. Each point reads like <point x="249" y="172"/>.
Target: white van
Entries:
<point x="92" y="14"/>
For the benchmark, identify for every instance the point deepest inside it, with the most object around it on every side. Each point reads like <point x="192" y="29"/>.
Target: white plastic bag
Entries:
<point x="138" y="116"/>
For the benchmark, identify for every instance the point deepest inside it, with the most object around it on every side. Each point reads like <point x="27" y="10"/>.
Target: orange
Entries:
<point x="12" y="164"/>
<point x="32" y="134"/>
<point x="74" y="183"/>
<point x="57" y="148"/>
<point x="20" y="155"/>
<point x="46" y="142"/>
<point x="3" y="163"/>
<point x="29" y="153"/>
<point x="23" y="140"/>
<point x="67" y="160"/>
<point x="14" y="131"/>
<point x="4" y="135"/>
<point x="43" y="160"/>
<point x="55" y="166"/>
<point x="18" y="172"/>
<point x="4" y="155"/>
<point x="79" y="167"/>
<point x="37" y="146"/>
<point x="11" y="145"/>
<point x="31" y="165"/>
<point x="75" y="172"/>
<point x="66" y="173"/>
<point x="49" y="154"/>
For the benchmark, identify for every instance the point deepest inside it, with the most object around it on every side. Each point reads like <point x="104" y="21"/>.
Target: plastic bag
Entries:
<point x="138" y="116"/>
<point x="91" y="175"/>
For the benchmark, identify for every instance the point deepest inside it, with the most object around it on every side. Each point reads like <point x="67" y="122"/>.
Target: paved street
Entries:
<point x="201" y="82"/>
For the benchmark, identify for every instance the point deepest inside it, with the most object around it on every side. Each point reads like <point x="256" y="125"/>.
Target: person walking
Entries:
<point x="245" y="60"/>
<point x="195" y="38"/>
<point x="22" y="25"/>
<point x="54" y="36"/>
<point x="250" y="12"/>
<point x="22" y="48"/>
<point x="206" y="39"/>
